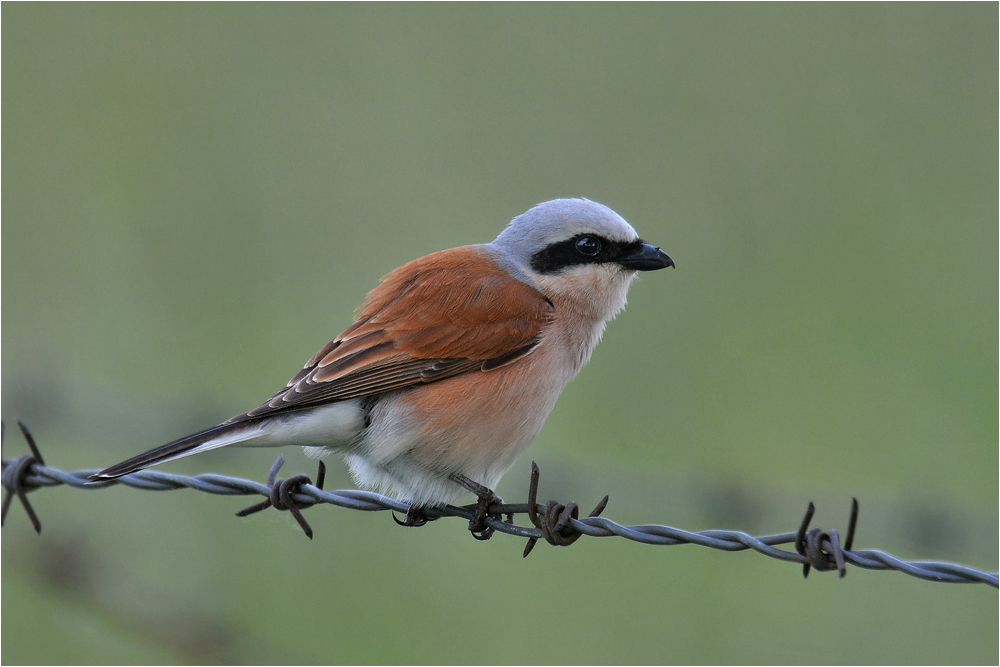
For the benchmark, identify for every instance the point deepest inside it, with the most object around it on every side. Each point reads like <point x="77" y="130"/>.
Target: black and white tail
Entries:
<point x="217" y="436"/>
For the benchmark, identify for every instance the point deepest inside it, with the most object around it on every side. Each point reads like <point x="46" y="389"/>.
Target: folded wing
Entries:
<point x="445" y="314"/>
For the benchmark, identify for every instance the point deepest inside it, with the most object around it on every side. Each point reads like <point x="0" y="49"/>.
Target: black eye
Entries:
<point x="588" y="246"/>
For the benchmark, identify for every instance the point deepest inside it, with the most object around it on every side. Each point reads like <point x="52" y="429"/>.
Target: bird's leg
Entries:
<point x="485" y="497"/>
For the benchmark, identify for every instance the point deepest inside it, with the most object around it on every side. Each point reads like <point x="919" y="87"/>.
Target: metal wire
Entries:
<point x="29" y="473"/>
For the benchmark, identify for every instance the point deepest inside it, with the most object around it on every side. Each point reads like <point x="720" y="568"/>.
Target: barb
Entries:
<point x="554" y="519"/>
<point x="821" y="549"/>
<point x="281" y="494"/>
<point x="15" y="485"/>
<point x="554" y="523"/>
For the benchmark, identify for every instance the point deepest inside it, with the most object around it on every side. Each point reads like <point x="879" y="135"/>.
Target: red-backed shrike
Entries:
<point x="454" y="361"/>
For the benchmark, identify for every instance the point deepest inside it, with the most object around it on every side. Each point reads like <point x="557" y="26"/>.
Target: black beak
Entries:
<point x="649" y="258"/>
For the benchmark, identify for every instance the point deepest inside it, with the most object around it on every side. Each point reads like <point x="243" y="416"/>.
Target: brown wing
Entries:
<point x="448" y="313"/>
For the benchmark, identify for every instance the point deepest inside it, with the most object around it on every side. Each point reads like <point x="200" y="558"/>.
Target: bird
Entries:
<point x="453" y="362"/>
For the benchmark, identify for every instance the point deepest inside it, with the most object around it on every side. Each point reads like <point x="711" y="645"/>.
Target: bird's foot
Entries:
<point x="486" y="498"/>
<point x="415" y="517"/>
<point x="477" y="524"/>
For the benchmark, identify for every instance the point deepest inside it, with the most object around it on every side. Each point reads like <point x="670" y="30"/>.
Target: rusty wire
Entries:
<point x="553" y="522"/>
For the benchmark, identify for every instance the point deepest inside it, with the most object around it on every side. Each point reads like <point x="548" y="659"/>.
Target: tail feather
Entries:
<point x="217" y="436"/>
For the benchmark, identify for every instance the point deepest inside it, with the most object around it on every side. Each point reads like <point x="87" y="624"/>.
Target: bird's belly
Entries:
<point x="476" y="425"/>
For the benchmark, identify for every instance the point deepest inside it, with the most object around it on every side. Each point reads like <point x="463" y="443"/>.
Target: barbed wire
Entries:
<point x="553" y="522"/>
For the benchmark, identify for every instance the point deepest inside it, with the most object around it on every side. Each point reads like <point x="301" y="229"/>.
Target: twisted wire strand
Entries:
<point x="305" y="495"/>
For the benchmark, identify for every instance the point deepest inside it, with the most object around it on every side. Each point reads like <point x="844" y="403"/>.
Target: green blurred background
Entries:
<point x="195" y="198"/>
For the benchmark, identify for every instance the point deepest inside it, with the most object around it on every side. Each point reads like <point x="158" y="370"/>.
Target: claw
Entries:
<point x="414" y="518"/>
